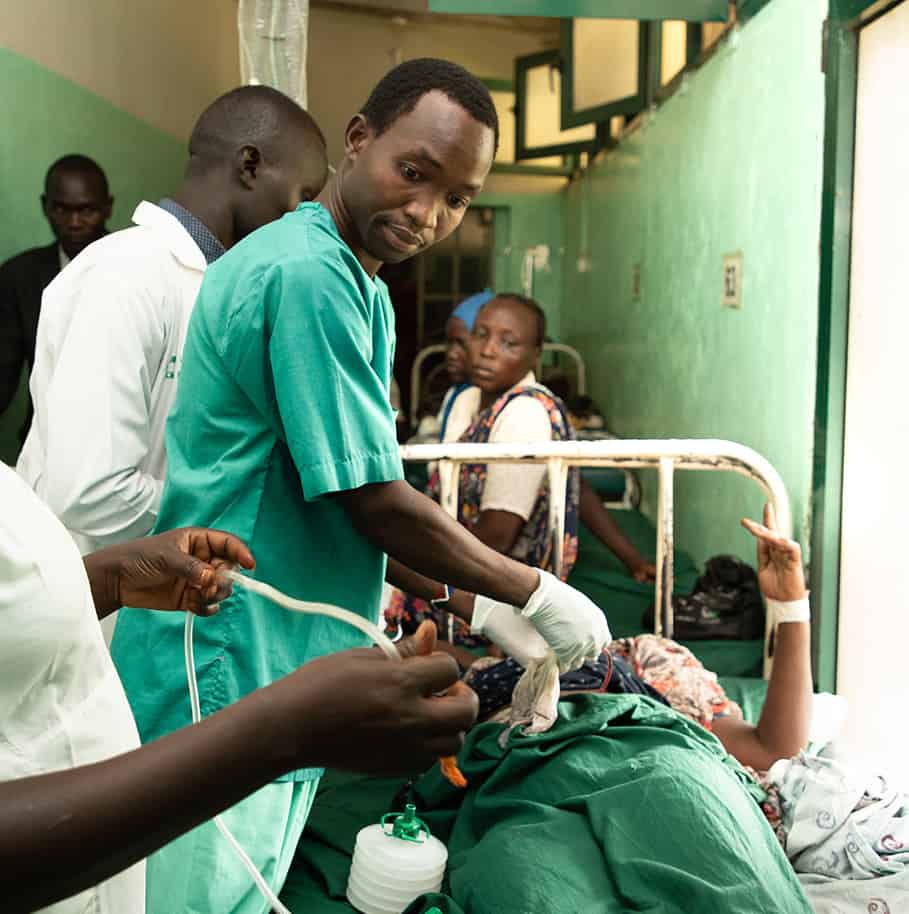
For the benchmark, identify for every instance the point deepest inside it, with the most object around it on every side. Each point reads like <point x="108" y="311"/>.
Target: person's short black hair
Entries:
<point x="75" y="162"/>
<point x="532" y="306"/>
<point x="399" y="91"/>
<point x="259" y="115"/>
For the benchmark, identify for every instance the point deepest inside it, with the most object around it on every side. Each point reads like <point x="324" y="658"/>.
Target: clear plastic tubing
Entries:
<point x="280" y="599"/>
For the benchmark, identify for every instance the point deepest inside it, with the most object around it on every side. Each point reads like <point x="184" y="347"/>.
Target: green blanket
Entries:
<point x="623" y="806"/>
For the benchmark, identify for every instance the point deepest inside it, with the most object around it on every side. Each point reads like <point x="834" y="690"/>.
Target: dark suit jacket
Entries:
<point x="22" y="280"/>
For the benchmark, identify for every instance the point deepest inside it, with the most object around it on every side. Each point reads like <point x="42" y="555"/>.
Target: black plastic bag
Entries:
<point x="726" y="603"/>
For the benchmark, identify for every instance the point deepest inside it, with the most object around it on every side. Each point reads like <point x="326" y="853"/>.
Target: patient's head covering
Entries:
<point x="468" y="310"/>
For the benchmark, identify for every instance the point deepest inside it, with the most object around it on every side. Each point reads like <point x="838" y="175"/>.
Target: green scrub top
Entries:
<point x="283" y="400"/>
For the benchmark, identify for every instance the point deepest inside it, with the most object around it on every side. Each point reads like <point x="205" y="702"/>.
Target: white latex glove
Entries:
<point x="571" y="624"/>
<point x="502" y="624"/>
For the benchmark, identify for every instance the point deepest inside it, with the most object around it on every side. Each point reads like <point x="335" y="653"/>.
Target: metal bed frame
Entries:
<point x="666" y="456"/>
<point x="426" y="352"/>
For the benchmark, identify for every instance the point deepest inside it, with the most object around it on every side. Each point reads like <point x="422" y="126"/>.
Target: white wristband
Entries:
<point x="791" y="611"/>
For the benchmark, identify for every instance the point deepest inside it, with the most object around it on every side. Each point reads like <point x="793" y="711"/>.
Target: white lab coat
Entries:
<point x="62" y="702"/>
<point x="109" y="351"/>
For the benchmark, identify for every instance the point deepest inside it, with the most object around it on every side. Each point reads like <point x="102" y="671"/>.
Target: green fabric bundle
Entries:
<point x="623" y="806"/>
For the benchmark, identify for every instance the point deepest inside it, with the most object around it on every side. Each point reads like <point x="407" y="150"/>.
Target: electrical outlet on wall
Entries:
<point x="732" y="279"/>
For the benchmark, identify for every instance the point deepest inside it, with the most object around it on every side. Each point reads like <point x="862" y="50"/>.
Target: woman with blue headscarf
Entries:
<point x="458" y="329"/>
<point x="455" y="422"/>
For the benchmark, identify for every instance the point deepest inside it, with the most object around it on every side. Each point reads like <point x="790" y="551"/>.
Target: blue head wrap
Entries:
<point x="468" y="310"/>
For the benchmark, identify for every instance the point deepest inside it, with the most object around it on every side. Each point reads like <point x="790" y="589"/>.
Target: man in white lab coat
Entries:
<point x="110" y="337"/>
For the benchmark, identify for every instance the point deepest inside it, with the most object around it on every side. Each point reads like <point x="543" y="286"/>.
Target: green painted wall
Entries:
<point x="46" y="116"/>
<point x="522" y="221"/>
<point x="730" y="163"/>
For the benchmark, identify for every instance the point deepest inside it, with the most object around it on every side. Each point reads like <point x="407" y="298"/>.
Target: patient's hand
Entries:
<point x="780" y="572"/>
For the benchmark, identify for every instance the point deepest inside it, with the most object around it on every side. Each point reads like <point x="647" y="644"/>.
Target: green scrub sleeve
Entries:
<point x="330" y="351"/>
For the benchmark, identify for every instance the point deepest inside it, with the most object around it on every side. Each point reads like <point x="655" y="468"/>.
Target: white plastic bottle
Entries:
<point x="395" y="862"/>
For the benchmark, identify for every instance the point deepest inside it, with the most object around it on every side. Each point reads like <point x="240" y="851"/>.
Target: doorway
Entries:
<point x="873" y="634"/>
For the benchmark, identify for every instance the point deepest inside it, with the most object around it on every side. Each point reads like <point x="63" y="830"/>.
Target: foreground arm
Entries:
<point x="416" y="532"/>
<point x="354" y="710"/>
<point x="782" y="730"/>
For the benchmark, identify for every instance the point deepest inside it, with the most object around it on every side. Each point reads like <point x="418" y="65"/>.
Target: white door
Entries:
<point x="873" y="652"/>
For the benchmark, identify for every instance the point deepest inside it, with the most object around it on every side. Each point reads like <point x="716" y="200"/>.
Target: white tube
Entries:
<point x="275" y="596"/>
<point x="317" y="609"/>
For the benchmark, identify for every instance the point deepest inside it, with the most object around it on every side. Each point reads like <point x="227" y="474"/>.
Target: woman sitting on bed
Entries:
<point x="504" y="505"/>
<point x="461" y="405"/>
<point x="457" y="412"/>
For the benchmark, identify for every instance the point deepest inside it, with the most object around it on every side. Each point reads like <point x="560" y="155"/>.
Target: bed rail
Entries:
<point x="666" y="456"/>
<point x="416" y="372"/>
<point x="415" y="380"/>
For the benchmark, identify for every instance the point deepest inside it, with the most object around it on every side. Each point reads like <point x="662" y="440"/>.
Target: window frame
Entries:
<point x="628" y="106"/>
<point x="522" y="65"/>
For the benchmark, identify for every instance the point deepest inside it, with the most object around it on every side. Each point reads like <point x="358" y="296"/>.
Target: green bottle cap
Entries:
<point x="406" y="825"/>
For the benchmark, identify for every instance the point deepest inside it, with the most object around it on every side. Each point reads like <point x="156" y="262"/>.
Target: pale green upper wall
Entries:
<point x="46" y="116"/>
<point x="730" y="163"/>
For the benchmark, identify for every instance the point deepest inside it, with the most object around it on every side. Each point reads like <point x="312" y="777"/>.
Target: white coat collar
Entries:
<point x="179" y="240"/>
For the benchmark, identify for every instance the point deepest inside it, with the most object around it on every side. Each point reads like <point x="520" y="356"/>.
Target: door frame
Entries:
<point x="840" y="60"/>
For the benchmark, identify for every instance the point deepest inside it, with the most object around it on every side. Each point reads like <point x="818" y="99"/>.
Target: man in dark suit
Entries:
<point x="77" y="204"/>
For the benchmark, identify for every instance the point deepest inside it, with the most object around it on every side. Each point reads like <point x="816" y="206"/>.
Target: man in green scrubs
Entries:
<point x="283" y="433"/>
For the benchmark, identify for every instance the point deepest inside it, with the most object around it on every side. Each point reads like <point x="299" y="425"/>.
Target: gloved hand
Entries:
<point x="502" y="624"/>
<point x="572" y="625"/>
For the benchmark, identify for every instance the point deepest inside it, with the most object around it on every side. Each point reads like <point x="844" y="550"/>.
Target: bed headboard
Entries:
<point x="666" y="456"/>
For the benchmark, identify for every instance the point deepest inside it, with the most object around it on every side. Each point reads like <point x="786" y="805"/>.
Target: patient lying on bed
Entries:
<point x="678" y="676"/>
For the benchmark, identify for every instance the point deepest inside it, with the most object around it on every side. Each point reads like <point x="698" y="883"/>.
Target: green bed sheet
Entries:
<point x="623" y="806"/>
<point x="600" y="575"/>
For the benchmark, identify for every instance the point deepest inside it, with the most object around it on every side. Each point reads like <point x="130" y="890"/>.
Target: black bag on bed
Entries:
<point x="725" y="604"/>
